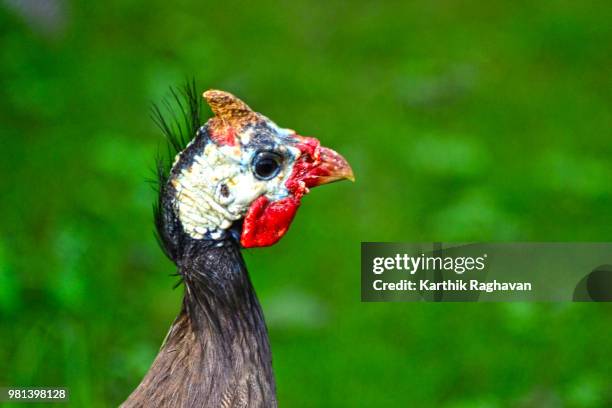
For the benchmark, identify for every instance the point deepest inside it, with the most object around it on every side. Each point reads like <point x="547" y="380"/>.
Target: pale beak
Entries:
<point x="332" y="167"/>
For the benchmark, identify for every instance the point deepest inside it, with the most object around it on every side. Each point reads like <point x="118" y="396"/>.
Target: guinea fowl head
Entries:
<point x="243" y="176"/>
<point x="238" y="182"/>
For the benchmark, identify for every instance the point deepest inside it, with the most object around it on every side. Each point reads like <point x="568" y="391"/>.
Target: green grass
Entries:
<point x="462" y="120"/>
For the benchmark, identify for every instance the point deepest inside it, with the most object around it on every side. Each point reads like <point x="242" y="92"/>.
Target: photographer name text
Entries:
<point x="459" y="265"/>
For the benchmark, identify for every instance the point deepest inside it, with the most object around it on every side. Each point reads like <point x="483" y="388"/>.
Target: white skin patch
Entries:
<point x="219" y="186"/>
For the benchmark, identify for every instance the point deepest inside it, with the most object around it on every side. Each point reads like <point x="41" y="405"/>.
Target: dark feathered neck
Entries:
<point x="219" y="297"/>
<point x="217" y="352"/>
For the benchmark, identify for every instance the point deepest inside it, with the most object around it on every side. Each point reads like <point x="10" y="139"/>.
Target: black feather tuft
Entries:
<point x="178" y="117"/>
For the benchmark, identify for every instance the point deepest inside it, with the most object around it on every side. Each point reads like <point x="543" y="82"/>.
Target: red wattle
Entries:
<point x="266" y="222"/>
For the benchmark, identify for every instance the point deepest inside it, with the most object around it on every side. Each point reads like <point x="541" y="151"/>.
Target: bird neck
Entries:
<point x="217" y="352"/>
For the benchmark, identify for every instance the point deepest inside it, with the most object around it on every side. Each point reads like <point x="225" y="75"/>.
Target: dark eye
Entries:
<point x="266" y="165"/>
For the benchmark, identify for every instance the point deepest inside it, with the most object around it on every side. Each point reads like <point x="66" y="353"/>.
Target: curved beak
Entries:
<point x="332" y="167"/>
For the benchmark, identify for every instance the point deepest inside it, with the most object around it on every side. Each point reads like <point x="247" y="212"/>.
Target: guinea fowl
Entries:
<point x="237" y="184"/>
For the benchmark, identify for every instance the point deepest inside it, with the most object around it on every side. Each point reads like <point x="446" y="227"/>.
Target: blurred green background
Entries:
<point x="476" y="120"/>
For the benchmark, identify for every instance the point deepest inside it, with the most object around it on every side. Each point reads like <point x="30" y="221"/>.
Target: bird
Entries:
<point x="235" y="182"/>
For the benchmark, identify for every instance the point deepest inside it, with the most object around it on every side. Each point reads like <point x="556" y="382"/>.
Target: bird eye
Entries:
<point x="266" y="165"/>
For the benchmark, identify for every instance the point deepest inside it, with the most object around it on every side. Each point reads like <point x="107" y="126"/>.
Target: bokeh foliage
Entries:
<point x="477" y="120"/>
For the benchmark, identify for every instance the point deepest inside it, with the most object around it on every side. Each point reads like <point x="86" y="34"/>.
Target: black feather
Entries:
<point x="179" y="117"/>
